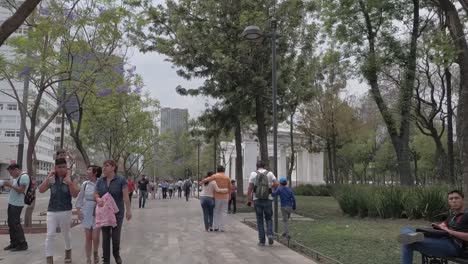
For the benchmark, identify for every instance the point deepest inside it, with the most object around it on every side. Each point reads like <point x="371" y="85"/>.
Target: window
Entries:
<point x="11" y="133"/>
<point x="12" y="107"/>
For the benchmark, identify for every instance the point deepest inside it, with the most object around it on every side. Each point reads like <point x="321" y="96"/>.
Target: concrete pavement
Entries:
<point x="167" y="231"/>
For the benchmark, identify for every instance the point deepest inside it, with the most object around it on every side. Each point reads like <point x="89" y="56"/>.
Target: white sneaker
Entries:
<point x="410" y="238"/>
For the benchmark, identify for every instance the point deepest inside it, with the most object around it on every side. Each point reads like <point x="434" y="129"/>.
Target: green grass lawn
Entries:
<point x="349" y="240"/>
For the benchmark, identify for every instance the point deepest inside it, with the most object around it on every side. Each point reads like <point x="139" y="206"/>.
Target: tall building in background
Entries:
<point x="174" y="120"/>
<point x="10" y="116"/>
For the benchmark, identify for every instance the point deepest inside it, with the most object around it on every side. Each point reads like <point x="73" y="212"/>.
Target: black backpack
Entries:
<point x="30" y="194"/>
<point x="262" y="189"/>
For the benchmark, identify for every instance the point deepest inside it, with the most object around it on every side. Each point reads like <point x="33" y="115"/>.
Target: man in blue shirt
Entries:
<point x="18" y="187"/>
<point x="288" y="203"/>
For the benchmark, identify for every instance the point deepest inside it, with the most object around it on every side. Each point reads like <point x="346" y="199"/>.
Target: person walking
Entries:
<point x="143" y="188"/>
<point x="261" y="183"/>
<point x="18" y="187"/>
<point x="85" y="205"/>
<point x="152" y="187"/>
<point x="59" y="212"/>
<point x="180" y="185"/>
<point x="165" y="187"/>
<point x="187" y="185"/>
<point x="288" y="203"/>
<point x="159" y="190"/>
<point x="232" y="199"/>
<point x="171" y="189"/>
<point x="131" y="187"/>
<point x="117" y="187"/>
<point x="207" y="201"/>
<point x="221" y="199"/>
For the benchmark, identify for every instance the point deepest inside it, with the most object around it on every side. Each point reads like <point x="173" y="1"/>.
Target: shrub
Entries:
<point x="313" y="190"/>
<point x="393" y="201"/>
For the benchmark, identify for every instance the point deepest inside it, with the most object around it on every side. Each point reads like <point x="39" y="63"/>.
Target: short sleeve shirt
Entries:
<point x="458" y="223"/>
<point x="15" y="198"/>
<point x="253" y="180"/>
<point x="115" y="189"/>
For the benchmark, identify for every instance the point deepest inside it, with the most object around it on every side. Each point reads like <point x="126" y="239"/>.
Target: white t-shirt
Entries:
<point x="253" y="180"/>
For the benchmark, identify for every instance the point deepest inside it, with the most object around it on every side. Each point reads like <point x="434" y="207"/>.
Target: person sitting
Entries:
<point x="439" y="244"/>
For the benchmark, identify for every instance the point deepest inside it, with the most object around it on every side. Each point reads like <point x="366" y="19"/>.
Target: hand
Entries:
<point x="444" y="228"/>
<point x="51" y="174"/>
<point x="67" y="180"/>
<point x="80" y="214"/>
<point x="7" y="184"/>
<point x="100" y="202"/>
<point x="128" y="214"/>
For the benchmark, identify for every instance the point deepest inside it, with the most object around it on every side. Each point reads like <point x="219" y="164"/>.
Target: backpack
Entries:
<point x="187" y="185"/>
<point x="30" y="194"/>
<point x="262" y="189"/>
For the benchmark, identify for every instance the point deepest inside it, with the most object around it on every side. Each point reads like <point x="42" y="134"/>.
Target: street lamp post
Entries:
<point x="254" y="33"/>
<point x="198" y="167"/>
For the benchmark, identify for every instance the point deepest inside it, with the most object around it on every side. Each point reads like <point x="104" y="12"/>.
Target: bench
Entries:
<point x="434" y="260"/>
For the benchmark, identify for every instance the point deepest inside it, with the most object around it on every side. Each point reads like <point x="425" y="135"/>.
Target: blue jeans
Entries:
<point x="207" y="204"/>
<point x="143" y="195"/>
<point x="264" y="210"/>
<point x="434" y="247"/>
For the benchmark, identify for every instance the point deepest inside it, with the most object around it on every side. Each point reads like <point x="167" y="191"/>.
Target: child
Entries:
<point x="288" y="203"/>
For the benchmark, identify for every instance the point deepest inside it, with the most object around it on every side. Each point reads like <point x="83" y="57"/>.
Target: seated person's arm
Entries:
<point x="457" y="234"/>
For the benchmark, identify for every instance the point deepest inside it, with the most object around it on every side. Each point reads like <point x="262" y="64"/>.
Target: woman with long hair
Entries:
<point x="207" y="201"/>
<point x="85" y="205"/>
<point x="117" y="187"/>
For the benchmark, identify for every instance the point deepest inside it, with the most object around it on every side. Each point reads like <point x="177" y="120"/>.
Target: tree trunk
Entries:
<point x="331" y="178"/>
<point x="334" y="161"/>
<point x="17" y="19"/>
<point x="262" y="132"/>
<point x="450" y="158"/>
<point x="239" y="159"/>
<point x="293" y="157"/>
<point x="404" y="164"/>
<point x="456" y="29"/>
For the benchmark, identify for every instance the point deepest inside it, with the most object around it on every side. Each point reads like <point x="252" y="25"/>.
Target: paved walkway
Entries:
<point x="168" y="231"/>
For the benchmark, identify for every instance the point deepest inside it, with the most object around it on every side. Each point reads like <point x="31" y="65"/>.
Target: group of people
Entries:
<point x="171" y="189"/>
<point x="102" y="203"/>
<point x="219" y="193"/>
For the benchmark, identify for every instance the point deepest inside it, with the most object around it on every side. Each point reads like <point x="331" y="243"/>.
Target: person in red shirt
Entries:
<point x="131" y="187"/>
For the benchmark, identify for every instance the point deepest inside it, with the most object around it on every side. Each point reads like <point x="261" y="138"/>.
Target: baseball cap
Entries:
<point x="13" y="166"/>
<point x="283" y="180"/>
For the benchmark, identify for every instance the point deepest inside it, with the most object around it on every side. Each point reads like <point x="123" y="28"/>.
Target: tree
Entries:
<point x="202" y="40"/>
<point x="456" y="29"/>
<point x="327" y="115"/>
<point x="378" y="52"/>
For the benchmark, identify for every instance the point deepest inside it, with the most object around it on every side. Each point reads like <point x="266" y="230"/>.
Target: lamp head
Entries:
<point x="252" y="33"/>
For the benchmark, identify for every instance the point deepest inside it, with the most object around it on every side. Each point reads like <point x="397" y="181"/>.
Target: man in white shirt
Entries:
<point x="261" y="182"/>
<point x="17" y="186"/>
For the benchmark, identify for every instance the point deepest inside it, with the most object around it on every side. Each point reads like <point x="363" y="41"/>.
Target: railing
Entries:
<point x="293" y="244"/>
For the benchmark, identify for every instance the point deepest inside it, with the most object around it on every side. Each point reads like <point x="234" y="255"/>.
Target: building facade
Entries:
<point x="174" y="120"/>
<point x="10" y="118"/>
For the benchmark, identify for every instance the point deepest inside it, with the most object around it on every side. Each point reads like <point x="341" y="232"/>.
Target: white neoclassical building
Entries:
<point x="309" y="167"/>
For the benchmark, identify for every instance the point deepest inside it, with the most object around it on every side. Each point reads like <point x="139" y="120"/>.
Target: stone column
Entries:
<point x="250" y="160"/>
<point x="317" y="176"/>
<point x="282" y="169"/>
